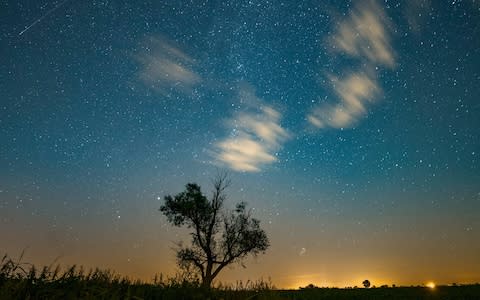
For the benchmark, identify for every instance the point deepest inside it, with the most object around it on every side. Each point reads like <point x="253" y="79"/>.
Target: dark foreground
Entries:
<point x="398" y="293"/>
<point x="24" y="281"/>
<point x="95" y="289"/>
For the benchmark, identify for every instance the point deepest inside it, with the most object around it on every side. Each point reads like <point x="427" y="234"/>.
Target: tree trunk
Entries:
<point x="208" y="278"/>
<point x="207" y="281"/>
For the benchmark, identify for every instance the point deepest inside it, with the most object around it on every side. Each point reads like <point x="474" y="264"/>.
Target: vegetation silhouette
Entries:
<point x="219" y="237"/>
<point x="21" y="280"/>
<point x="366" y="283"/>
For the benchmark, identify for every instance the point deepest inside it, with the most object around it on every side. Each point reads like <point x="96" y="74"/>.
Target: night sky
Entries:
<point x="352" y="129"/>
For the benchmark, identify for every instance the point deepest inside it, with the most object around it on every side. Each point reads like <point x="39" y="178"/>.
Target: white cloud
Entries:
<point x="255" y="137"/>
<point x="366" y="34"/>
<point x="165" y="67"/>
<point x="354" y="91"/>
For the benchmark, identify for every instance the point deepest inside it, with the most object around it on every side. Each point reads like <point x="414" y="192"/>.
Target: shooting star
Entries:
<point x="42" y="17"/>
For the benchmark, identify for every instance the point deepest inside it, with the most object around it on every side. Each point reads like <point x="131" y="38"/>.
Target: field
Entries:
<point x="24" y="281"/>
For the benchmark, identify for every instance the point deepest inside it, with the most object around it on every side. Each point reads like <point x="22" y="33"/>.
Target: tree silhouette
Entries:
<point x="219" y="237"/>
<point x="366" y="283"/>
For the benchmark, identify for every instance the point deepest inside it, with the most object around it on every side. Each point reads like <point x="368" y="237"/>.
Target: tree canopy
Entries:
<point x="219" y="236"/>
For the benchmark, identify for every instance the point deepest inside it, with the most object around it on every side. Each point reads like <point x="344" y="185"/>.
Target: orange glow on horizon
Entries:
<point x="301" y="281"/>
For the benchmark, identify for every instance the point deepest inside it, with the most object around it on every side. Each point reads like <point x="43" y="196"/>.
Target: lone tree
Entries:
<point x="219" y="237"/>
<point x="366" y="283"/>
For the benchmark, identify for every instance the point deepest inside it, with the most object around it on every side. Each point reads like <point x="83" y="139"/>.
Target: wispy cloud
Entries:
<point x="354" y="91"/>
<point x="165" y="67"/>
<point x="366" y="34"/>
<point x="255" y="137"/>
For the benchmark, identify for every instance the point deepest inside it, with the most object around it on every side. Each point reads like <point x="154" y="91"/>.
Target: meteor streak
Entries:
<point x="42" y="17"/>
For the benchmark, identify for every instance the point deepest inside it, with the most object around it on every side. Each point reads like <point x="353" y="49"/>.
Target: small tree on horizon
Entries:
<point x="366" y="283"/>
<point x="219" y="237"/>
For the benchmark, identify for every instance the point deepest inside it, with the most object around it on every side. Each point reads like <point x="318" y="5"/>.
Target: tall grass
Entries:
<point x="20" y="280"/>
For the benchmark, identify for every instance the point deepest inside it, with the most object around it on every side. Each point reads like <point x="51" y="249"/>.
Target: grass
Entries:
<point x="24" y="281"/>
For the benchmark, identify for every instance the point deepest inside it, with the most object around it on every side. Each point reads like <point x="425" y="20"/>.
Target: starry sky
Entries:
<point x="351" y="128"/>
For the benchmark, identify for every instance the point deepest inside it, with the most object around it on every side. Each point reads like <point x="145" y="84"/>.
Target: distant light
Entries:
<point x="431" y="285"/>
